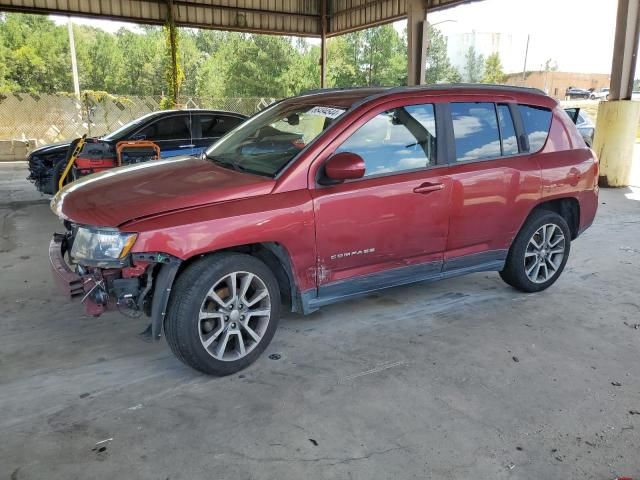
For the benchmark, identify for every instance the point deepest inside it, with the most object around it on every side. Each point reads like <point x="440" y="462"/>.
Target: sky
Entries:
<point x="576" y="34"/>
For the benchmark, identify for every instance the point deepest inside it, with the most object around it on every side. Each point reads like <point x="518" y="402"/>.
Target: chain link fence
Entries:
<point x="48" y="118"/>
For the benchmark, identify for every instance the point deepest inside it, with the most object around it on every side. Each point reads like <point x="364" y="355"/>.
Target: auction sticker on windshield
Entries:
<point x="328" y="112"/>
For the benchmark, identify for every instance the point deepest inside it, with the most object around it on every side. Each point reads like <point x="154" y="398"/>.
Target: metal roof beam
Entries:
<point x="285" y="17"/>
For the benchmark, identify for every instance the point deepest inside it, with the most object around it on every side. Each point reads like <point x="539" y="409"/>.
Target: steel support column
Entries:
<point x="174" y="73"/>
<point x="618" y="118"/>
<point x="323" y="44"/>
<point x="625" y="49"/>
<point x="416" y="39"/>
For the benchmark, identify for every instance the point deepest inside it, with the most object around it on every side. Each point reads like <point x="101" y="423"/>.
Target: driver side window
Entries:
<point x="396" y="140"/>
<point x="171" y="128"/>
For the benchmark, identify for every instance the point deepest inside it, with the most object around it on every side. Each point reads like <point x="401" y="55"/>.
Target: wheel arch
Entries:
<point x="567" y="207"/>
<point x="272" y="254"/>
<point x="276" y="257"/>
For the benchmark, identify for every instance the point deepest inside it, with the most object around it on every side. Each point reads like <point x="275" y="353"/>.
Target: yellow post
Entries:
<point x="615" y="138"/>
<point x="72" y="159"/>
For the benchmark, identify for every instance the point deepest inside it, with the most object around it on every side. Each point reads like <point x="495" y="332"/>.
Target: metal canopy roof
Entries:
<point x="288" y="17"/>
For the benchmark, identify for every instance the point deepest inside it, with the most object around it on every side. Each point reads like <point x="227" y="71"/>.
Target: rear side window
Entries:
<point x="397" y="140"/>
<point x="507" y="131"/>
<point x="475" y="128"/>
<point x="536" y="121"/>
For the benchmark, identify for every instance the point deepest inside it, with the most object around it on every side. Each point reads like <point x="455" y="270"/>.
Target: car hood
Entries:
<point x="51" y="148"/>
<point x="123" y="194"/>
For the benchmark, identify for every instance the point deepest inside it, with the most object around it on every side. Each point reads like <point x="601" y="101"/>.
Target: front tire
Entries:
<point x="56" y="173"/>
<point x="223" y="313"/>
<point x="539" y="253"/>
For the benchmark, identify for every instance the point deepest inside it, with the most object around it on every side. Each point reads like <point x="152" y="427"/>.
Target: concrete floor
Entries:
<point x="461" y="379"/>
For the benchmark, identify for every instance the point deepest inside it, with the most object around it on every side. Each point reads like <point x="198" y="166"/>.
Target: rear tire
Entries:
<point x="223" y="312"/>
<point x="539" y="253"/>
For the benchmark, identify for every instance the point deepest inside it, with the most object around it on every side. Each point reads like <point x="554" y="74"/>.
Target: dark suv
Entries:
<point x="176" y="132"/>
<point x="360" y="190"/>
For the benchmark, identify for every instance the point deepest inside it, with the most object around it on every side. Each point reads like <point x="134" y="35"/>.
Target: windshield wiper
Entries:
<point x="226" y="164"/>
<point x="231" y="165"/>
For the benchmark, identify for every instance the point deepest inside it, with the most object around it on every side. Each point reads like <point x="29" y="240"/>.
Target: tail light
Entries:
<point x="596" y="168"/>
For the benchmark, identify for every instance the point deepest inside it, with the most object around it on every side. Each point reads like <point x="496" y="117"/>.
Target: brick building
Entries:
<point x="556" y="83"/>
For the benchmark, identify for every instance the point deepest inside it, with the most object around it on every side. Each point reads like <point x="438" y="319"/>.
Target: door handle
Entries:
<point x="186" y="146"/>
<point x="428" y="187"/>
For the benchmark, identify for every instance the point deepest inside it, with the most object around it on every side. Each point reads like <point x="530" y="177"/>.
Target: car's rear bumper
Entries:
<point x="588" y="208"/>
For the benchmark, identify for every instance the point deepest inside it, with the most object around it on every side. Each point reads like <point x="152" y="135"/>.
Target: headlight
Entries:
<point x="101" y="245"/>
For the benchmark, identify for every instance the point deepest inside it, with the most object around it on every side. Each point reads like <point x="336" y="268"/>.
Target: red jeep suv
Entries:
<point x="324" y="197"/>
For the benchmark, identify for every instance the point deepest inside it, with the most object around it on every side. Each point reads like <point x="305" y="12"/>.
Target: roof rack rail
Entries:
<point x="436" y="86"/>
<point x="314" y="91"/>
<point x="479" y="86"/>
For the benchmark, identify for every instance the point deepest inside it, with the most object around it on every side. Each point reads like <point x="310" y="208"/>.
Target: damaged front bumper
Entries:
<point x="87" y="285"/>
<point x="143" y="285"/>
<point x="68" y="280"/>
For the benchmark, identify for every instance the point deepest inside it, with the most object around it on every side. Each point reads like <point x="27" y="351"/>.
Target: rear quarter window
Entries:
<point x="536" y="121"/>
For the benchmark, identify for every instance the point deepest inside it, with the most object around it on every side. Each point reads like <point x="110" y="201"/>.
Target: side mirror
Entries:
<point x="344" y="166"/>
<point x="293" y="119"/>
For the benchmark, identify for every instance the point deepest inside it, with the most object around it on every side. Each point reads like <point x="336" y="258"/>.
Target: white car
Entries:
<point x="600" y="94"/>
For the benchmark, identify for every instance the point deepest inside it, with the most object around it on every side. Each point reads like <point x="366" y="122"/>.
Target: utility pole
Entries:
<point x="526" y="54"/>
<point x="74" y="62"/>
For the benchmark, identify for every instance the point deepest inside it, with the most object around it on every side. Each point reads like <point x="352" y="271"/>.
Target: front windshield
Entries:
<point x="267" y="142"/>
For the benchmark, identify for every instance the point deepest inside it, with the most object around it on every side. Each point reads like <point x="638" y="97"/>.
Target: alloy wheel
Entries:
<point x="544" y="253"/>
<point x="234" y="316"/>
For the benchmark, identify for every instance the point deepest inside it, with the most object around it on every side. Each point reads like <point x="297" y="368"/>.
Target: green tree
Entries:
<point x="455" y="76"/>
<point x="34" y="57"/>
<point x="100" y="61"/>
<point x="372" y="57"/>
<point x="438" y="65"/>
<point x="493" y="72"/>
<point x="550" y="65"/>
<point x="343" y="63"/>
<point x="191" y="60"/>
<point x="384" y="55"/>
<point x="247" y="65"/>
<point x="36" y="54"/>
<point x="304" y="71"/>
<point x="143" y="61"/>
<point x="209" y="41"/>
<point x="5" y="84"/>
<point x="474" y="66"/>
